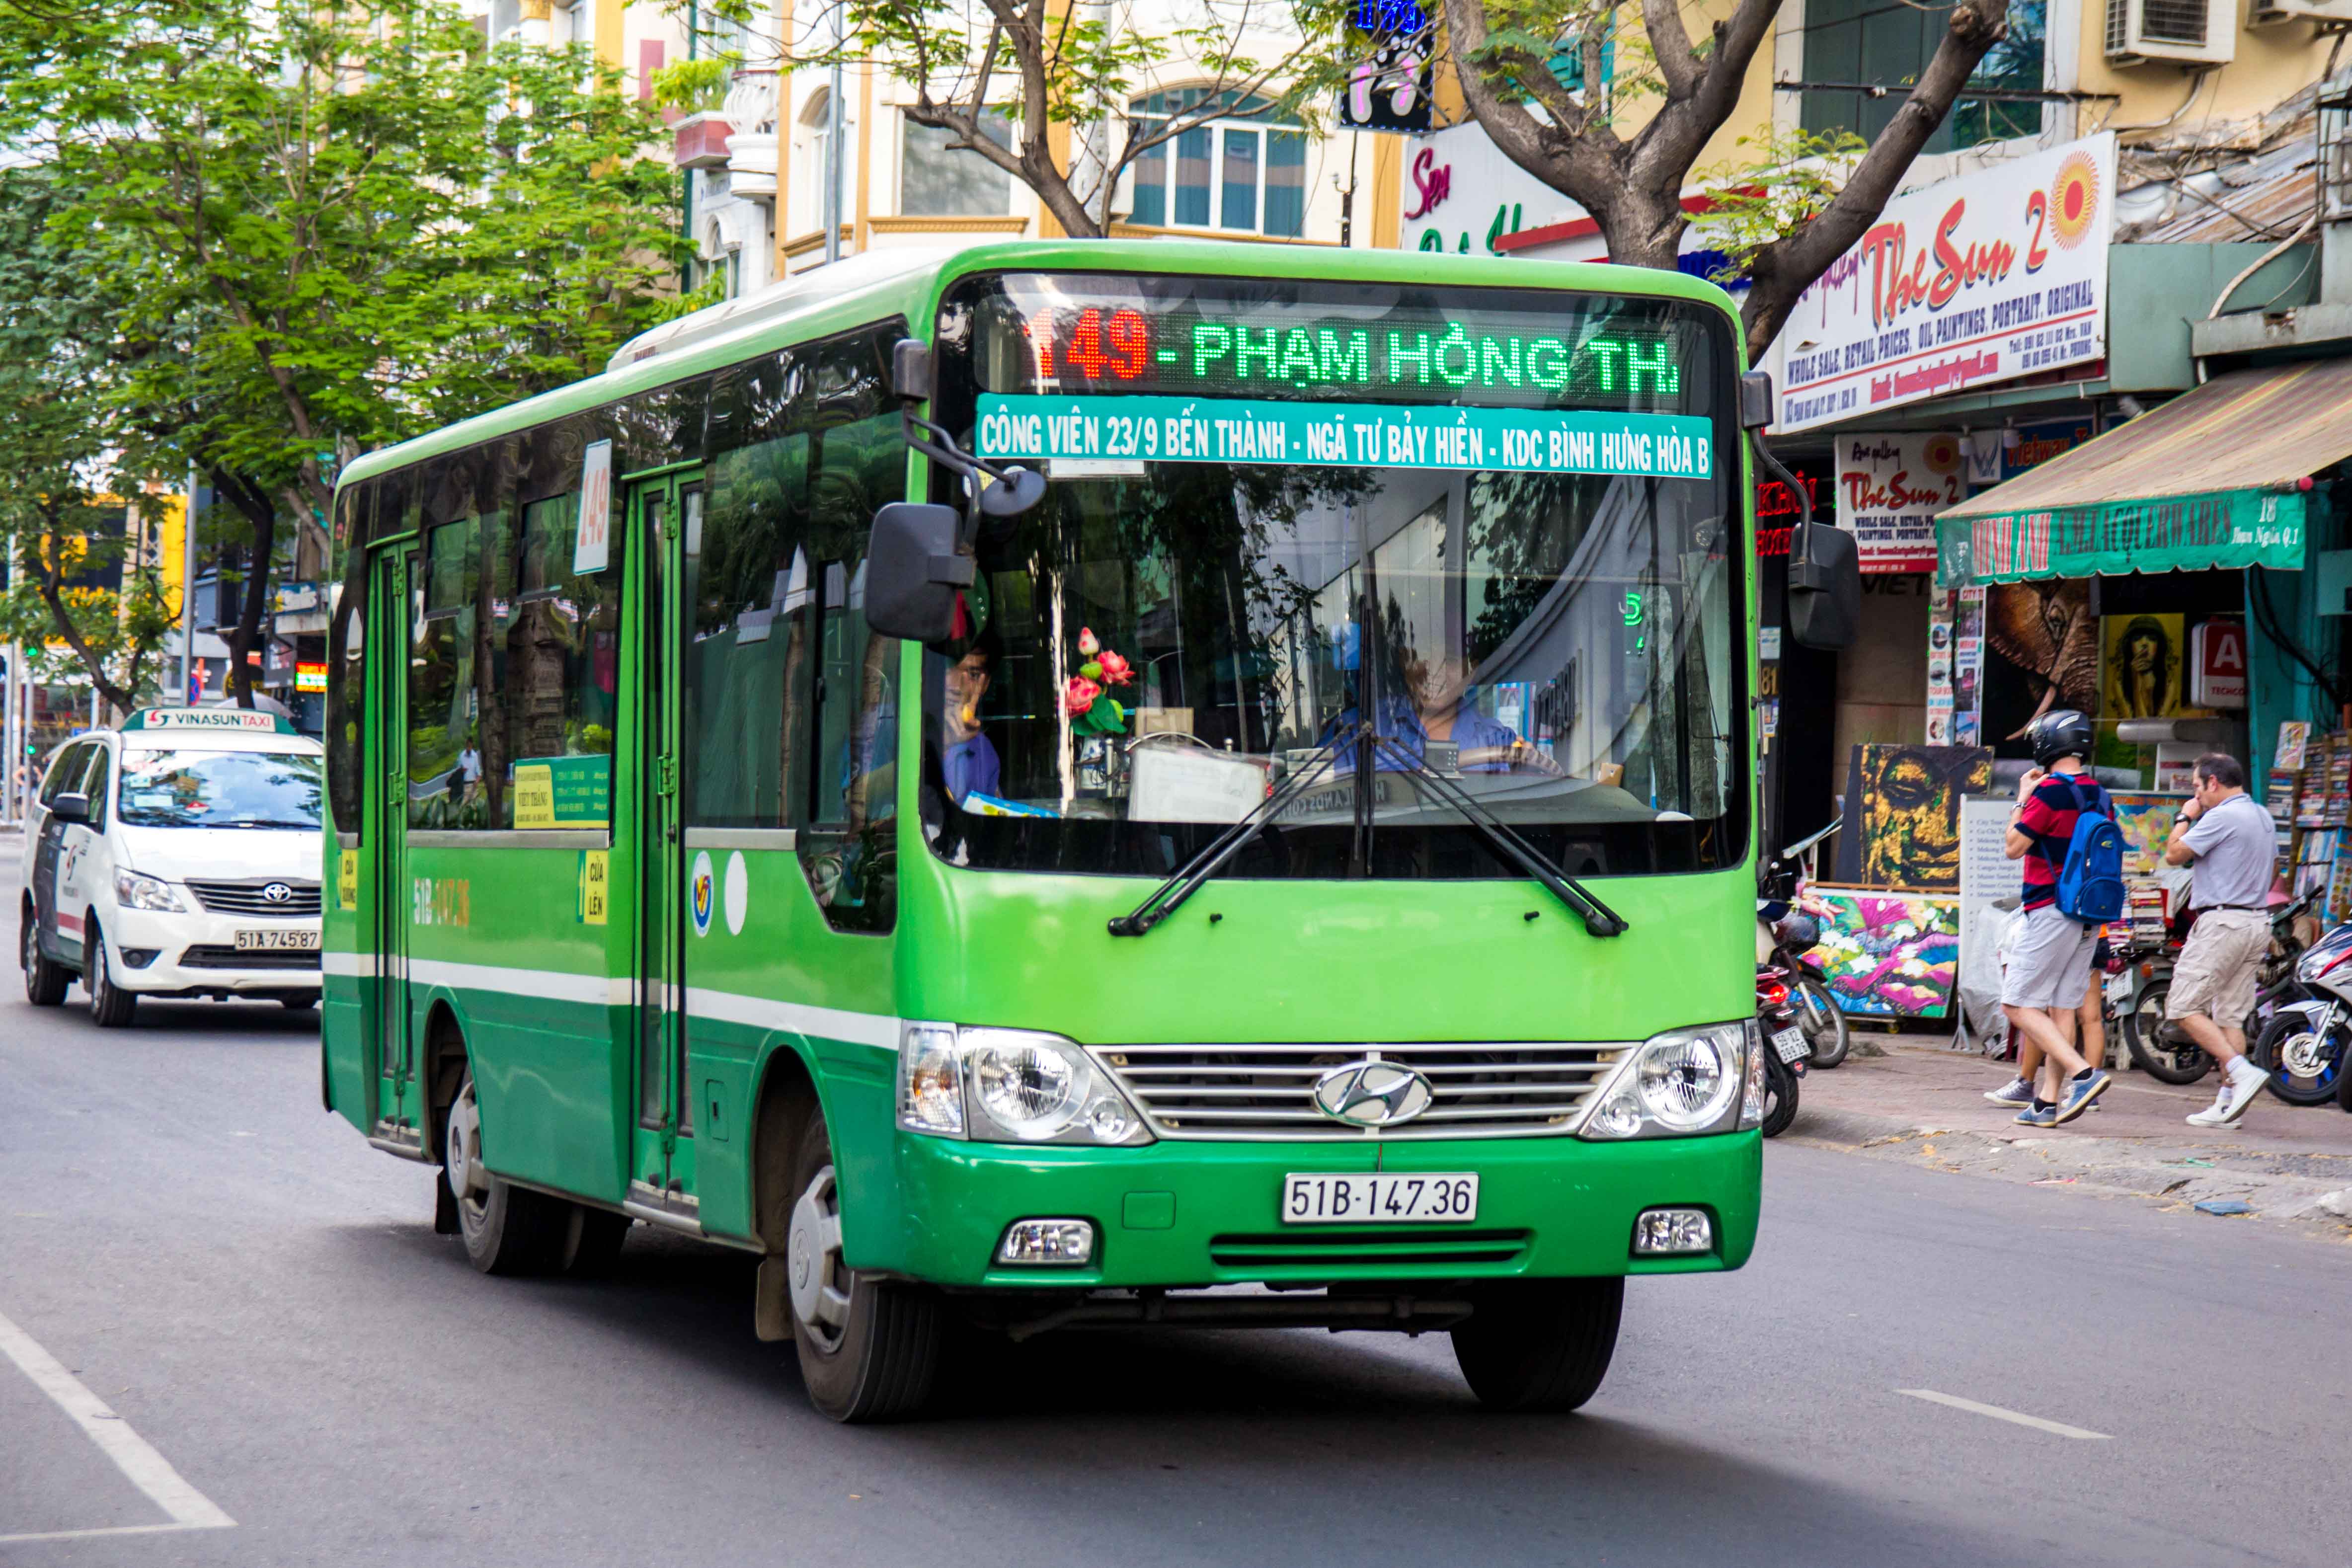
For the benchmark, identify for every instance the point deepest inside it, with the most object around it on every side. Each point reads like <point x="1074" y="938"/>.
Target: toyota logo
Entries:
<point x="1372" y="1093"/>
<point x="278" y="893"/>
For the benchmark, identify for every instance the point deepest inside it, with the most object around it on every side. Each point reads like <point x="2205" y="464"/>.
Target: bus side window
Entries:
<point x="561" y="658"/>
<point x="444" y="759"/>
<point x="346" y="670"/>
<point x="790" y="707"/>
<point x="857" y="462"/>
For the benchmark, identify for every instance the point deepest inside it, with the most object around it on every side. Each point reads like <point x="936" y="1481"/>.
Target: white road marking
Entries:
<point x="103" y="1529"/>
<point x="1998" y="1413"/>
<point x="148" y="1470"/>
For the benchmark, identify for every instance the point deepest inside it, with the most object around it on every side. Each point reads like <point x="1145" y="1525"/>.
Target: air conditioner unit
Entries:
<point x="2327" y="13"/>
<point x="2172" y="32"/>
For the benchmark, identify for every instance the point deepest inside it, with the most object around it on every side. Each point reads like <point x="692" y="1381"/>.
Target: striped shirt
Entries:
<point x="2049" y="820"/>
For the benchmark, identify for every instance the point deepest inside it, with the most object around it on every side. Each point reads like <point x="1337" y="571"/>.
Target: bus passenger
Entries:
<point x="967" y="756"/>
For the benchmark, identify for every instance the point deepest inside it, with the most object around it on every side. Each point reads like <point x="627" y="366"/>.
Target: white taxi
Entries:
<point x="178" y="855"/>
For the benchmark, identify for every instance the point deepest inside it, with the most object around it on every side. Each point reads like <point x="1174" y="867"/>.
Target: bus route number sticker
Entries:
<point x="699" y="893"/>
<point x="595" y="886"/>
<point x="592" y="546"/>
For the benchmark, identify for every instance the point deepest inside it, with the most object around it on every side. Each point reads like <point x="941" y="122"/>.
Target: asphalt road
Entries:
<point x="259" y="1298"/>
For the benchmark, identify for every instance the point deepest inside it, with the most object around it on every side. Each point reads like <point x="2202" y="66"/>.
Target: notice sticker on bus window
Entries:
<point x="595" y="886"/>
<point x="347" y="880"/>
<point x="591" y="547"/>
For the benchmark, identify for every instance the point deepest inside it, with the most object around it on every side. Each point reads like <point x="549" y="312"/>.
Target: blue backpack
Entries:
<point x="2091" y="882"/>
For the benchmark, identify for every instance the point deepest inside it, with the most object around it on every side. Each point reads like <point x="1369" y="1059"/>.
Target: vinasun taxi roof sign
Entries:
<point x="213" y="718"/>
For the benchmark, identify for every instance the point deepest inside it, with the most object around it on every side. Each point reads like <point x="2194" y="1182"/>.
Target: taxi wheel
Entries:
<point x="45" y="982"/>
<point x="110" y="1007"/>
<point x="868" y="1348"/>
<point x="1539" y="1344"/>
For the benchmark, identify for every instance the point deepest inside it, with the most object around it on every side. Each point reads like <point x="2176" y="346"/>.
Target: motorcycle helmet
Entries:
<point x="2061" y="732"/>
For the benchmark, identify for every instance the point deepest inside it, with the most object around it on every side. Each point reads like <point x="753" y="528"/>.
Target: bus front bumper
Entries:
<point x="1201" y="1213"/>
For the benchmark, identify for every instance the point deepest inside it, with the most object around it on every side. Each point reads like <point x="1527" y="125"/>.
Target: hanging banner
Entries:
<point x="1991" y="274"/>
<point x="1889" y="489"/>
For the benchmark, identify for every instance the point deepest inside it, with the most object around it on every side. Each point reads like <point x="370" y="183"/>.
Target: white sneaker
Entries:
<point x="2238" y="1091"/>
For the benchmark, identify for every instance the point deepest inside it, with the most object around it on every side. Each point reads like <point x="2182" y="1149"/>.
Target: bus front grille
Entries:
<point x="1294" y="1255"/>
<point x="1265" y="1093"/>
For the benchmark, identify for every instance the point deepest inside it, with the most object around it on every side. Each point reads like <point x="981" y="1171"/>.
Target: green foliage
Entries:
<point x="697" y="85"/>
<point x="1773" y="192"/>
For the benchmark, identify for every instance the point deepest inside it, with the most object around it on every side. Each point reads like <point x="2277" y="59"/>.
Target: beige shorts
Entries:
<point x="2219" y="965"/>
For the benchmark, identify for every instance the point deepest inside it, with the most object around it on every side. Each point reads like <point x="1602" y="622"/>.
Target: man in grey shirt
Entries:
<point x="2232" y="842"/>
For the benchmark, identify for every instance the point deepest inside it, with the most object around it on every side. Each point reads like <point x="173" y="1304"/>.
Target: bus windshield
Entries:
<point x="1497" y="529"/>
<point x="220" y="789"/>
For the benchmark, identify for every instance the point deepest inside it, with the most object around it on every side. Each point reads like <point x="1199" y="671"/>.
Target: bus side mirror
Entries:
<point x="1826" y="588"/>
<point x="72" y="806"/>
<point x="914" y="570"/>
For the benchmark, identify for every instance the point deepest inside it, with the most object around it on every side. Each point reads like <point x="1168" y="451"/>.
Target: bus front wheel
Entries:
<point x="507" y="1230"/>
<point x="1539" y="1344"/>
<point x="868" y="1348"/>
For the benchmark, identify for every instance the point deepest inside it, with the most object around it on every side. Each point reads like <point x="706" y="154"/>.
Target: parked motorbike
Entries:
<point x="2160" y="1047"/>
<point x="1786" y="932"/>
<point x="2303" y="1045"/>
<point x="1785" y="1048"/>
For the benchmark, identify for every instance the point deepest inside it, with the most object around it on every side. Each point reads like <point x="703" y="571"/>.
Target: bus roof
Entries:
<point x="909" y="282"/>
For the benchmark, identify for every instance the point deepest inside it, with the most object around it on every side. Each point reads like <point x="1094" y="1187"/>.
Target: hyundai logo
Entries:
<point x="1372" y="1093"/>
<point x="278" y="893"/>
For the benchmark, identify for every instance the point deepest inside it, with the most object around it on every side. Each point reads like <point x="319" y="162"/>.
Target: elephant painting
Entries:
<point x="2047" y="632"/>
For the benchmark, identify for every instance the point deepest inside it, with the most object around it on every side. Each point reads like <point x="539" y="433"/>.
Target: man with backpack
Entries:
<point x="2232" y="842"/>
<point x="2063" y="830"/>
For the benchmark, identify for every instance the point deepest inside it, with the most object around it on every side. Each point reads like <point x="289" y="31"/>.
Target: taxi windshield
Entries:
<point x="192" y="788"/>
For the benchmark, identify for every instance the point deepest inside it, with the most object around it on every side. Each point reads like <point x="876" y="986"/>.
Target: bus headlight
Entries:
<point x="1009" y="1086"/>
<point x="1677" y="1083"/>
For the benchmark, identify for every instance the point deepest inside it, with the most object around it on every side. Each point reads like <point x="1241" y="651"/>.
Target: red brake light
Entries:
<point x="1771" y="993"/>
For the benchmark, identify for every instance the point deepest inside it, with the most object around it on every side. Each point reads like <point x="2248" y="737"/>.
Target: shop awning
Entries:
<point x="2215" y="478"/>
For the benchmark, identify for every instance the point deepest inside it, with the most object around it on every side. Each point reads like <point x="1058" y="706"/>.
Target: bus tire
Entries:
<point x="868" y="1348"/>
<point x="44" y="979"/>
<point x="591" y="1240"/>
<point x="1539" y="1344"/>
<point x="507" y="1230"/>
<point x="110" y="1007"/>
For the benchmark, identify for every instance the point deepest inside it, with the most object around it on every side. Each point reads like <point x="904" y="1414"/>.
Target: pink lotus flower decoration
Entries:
<point x="1116" y="670"/>
<point x="1087" y="645"/>
<point x="1079" y="696"/>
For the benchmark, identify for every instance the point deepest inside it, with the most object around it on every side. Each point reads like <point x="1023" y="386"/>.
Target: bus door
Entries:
<point x="665" y="512"/>
<point x="399" y="1105"/>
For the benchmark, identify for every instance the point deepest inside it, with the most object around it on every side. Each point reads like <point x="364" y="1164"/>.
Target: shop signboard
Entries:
<point x="1889" y="489"/>
<point x="1462" y="195"/>
<point x="1990" y="275"/>
<point x="2218" y="529"/>
<point x="2216" y="664"/>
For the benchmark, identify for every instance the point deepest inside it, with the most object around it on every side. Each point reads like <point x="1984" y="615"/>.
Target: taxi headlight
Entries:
<point x="137" y="890"/>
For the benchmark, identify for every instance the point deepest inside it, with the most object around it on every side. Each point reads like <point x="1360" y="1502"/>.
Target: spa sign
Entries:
<point x="1992" y="275"/>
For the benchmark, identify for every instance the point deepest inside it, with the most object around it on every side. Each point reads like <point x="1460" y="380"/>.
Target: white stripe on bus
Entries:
<point x="877" y="1030"/>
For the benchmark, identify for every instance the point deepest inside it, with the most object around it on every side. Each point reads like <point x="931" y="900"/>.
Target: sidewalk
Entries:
<point x="1923" y="1104"/>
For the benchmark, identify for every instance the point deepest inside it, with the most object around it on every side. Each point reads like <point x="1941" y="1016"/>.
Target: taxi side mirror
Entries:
<point x="72" y="806"/>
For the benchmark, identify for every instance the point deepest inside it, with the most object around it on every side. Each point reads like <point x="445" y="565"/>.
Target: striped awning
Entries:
<point x="2216" y="478"/>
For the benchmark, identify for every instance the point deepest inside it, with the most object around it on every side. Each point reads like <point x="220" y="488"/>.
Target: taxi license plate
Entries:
<point x="1423" y="1197"/>
<point x="1790" y="1043"/>
<point x="277" y="941"/>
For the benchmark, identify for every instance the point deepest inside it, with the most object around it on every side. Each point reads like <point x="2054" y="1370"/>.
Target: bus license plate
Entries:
<point x="1445" y="1198"/>
<point x="277" y="941"/>
<point x="1790" y="1043"/>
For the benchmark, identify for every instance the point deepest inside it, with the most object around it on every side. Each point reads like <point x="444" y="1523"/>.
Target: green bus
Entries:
<point x="1076" y="784"/>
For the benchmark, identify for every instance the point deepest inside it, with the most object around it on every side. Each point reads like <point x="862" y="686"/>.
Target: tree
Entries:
<point x="326" y="229"/>
<point x="69" y="550"/>
<point x="1504" y="54"/>
<point x="1068" y="64"/>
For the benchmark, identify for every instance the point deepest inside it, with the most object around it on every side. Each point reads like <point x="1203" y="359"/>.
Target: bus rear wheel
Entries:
<point x="868" y="1348"/>
<point x="1539" y="1344"/>
<point x="507" y="1230"/>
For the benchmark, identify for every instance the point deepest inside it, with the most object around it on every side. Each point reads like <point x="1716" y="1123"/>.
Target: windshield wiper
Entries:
<point x="1186" y="879"/>
<point x="1599" y="917"/>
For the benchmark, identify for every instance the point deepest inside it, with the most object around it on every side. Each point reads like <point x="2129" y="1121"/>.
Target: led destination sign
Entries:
<point x="1176" y="337"/>
<point x="1091" y="432"/>
<point x="1124" y="348"/>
